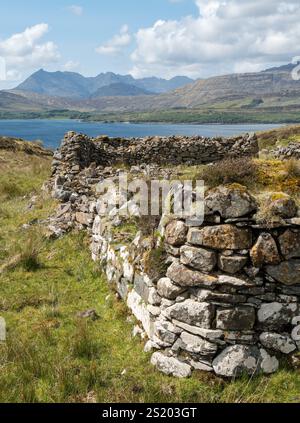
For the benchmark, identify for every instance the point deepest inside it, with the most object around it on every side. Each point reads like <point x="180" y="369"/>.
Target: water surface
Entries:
<point x="51" y="132"/>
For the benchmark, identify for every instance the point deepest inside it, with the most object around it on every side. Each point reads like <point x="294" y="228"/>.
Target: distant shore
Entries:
<point x="174" y="116"/>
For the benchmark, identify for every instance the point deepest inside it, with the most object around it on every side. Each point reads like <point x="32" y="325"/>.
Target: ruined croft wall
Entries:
<point x="79" y="151"/>
<point x="229" y="299"/>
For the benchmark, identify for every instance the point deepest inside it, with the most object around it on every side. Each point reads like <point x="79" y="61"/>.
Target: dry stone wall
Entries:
<point x="291" y="151"/>
<point x="79" y="151"/>
<point x="229" y="300"/>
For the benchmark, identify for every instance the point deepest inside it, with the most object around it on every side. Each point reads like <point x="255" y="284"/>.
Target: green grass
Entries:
<point x="51" y="355"/>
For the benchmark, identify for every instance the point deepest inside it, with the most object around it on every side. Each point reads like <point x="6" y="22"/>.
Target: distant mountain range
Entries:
<point x="270" y="91"/>
<point x="75" y="86"/>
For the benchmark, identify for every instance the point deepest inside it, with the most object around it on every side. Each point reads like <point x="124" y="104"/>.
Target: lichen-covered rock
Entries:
<point x="282" y="205"/>
<point x="196" y="345"/>
<point x="97" y="226"/>
<point x="269" y="364"/>
<point x="265" y="251"/>
<point x="235" y="282"/>
<point x="276" y="316"/>
<point x="192" y="312"/>
<point x="237" y="360"/>
<point x="230" y="201"/>
<point x="142" y="286"/>
<point x="236" y="319"/>
<point x="85" y="219"/>
<point x="170" y="366"/>
<point x="290" y="244"/>
<point x="222" y="237"/>
<point x="176" y="232"/>
<point x="185" y="277"/>
<point x="287" y="272"/>
<point x="231" y="264"/>
<point x="166" y="331"/>
<point x="209" y="334"/>
<point x="204" y="295"/>
<point x="122" y="288"/>
<point x="167" y="289"/>
<point x="138" y="307"/>
<point x="198" y="258"/>
<point x="277" y="342"/>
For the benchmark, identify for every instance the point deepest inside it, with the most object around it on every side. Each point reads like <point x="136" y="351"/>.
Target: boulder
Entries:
<point x="198" y="258"/>
<point x="287" y="273"/>
<point x="167" y="289"/>
<point x="269" y="364"/>
<point x="282" y="205"/>
<point x="230" y="201"/>
<point x="238" y="360"/>
<point x="290" y="244"/>
<point x="222" y="237"/>
<point x="276" y="316"/>
<point x="185" y="277"/>
<point x="192" y="313"/>
<point x="236" y="319"/>
<point x="171" y="366"/>
<point x="231" y="264"/>
<point x="265" y="251"/>
<point x="176" y="233"/>
<point x="277" y="342"/>
<point x="196" y="345"/>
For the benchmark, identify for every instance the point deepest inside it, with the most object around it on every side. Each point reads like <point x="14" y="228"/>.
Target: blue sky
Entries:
<point x="198" y="38"/>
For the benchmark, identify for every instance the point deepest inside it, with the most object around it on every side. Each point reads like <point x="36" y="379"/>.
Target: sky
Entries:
<point x="164" y="38"/>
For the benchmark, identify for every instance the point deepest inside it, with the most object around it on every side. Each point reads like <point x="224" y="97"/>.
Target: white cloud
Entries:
<point x="71" y="66"/>
<point x="117" y="43"/>
<point x="25" y="50"/>
<point x="227" y="35"/>
<point x="76" y="10"/>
